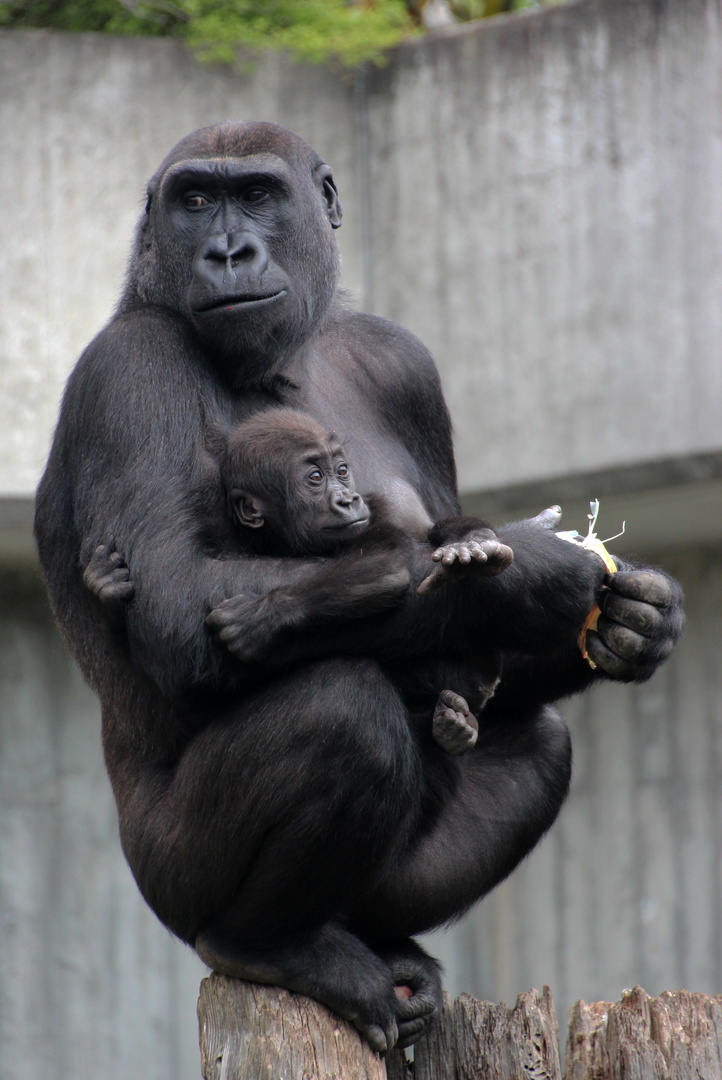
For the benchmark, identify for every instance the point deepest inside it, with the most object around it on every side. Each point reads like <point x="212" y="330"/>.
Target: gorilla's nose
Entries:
<point x="230" y="256"/>
<point x="349" y="506"/>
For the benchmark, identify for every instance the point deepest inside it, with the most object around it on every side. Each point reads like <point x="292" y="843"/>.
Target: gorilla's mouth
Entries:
<point x="348" y="526"/>
<point x="228" y="303"/>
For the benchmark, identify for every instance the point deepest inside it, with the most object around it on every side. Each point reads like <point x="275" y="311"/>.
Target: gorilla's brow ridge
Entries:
<point x="267" y="166"/>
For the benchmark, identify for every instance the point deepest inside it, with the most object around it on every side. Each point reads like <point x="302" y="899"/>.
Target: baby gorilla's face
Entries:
<point x="323" y="509"/>
<point x="308" y="504"/>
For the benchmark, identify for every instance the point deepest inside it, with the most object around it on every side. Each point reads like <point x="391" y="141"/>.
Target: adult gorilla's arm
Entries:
<point x="641" y="623"/>
<point x="129" y="467"/>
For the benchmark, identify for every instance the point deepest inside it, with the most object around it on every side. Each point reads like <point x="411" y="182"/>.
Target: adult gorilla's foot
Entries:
<point x="417" y="979"/>
<point x="332" y="966"/>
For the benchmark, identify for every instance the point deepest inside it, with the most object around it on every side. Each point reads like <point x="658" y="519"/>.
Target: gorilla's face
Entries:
<point x="243" y="246"/>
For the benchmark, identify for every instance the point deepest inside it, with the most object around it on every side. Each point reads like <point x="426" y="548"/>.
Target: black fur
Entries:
<point x="291" y="492"/>
<point x="287" y="818"/>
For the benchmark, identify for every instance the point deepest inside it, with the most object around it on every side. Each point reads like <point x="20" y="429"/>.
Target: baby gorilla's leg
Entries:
<point x="454" y="726"/>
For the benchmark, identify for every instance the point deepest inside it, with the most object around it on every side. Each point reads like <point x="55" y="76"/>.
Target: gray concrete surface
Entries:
<point x="550" y="224"/>
<point x="84" y="122"/>
<point x="626" y="889"/>
<point x="538" y="198"/>
<point x="91" y="985"/>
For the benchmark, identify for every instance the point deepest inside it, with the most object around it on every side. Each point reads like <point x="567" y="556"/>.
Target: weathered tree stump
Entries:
<point x="676" y="1036"/>
<point x="251" y="1032"/>
<point x="481" y="1041"/>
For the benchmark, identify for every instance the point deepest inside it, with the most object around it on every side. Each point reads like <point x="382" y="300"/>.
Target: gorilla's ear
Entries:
<point x="149" y="193"/>
<point x="248" y="509"/>
<point x="323" y="177"/>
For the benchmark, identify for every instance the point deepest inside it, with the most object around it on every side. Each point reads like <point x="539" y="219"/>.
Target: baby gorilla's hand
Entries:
<point x="107" y="576"/>
<point x="247" y="624"/>
<point x="478" y="554"/>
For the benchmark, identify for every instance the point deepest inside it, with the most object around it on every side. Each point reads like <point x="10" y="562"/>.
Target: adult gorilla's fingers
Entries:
<point x="646" y="585"/>
<point x="409" y="1031"/>
<point x="608" y="661"/>
<point x="379" y="1040"/>
<point x="549" y="518"/>
<point x="634" y="614"/>
<point x="620" y="639"/>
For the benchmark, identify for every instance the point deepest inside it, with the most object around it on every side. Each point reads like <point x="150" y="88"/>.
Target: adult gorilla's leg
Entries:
<point x="490" y="808"/>
<point x="274" y="818"/>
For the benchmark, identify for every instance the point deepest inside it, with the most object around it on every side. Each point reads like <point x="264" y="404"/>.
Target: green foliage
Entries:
<point x="79" y="16"/>
<point x="311" y="30"/>
<point x="347" y="32"/>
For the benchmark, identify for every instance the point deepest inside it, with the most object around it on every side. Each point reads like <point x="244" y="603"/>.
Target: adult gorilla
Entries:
<point x="289" y="818"/>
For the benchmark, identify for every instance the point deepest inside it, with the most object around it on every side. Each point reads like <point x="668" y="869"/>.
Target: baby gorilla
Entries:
<point x="291" y="493"/>
<point x="291" y="482"/>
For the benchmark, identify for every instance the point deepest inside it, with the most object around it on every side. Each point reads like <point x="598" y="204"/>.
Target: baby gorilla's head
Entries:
<point x="288" y="479"/>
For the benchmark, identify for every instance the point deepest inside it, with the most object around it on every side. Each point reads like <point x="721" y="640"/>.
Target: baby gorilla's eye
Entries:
<point x="315" y="477"/>
<point x="342" y="470"/>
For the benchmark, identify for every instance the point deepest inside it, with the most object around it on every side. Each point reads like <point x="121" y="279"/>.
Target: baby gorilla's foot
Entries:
<point x="454" y="726"/>
<point x="479" y="554"/>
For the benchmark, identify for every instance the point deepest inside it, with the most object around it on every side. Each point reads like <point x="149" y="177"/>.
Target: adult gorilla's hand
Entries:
<point x="641" y="621"/>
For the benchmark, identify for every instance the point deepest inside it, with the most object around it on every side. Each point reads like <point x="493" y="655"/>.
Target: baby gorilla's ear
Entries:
<point x="248" y="509"/>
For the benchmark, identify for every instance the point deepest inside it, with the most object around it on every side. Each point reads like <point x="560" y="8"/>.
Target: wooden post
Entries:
<point x="676" y="1036"/>
<point x="251" y="1032"/>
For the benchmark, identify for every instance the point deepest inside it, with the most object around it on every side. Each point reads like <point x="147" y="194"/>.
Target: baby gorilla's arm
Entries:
<point x="349" y="586"/>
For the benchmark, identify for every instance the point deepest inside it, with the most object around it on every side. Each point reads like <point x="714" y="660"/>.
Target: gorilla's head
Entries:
<point x="237" y="236"/>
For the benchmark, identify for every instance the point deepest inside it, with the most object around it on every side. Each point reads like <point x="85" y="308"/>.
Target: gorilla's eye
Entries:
<point x="342" y="470"/>
<point x="315" y="477"/>
<point x="195" y="201"/>
<point x="255" y="195"/>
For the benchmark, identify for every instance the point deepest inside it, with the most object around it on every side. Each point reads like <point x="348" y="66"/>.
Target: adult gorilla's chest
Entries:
<point x="381" y="462"/>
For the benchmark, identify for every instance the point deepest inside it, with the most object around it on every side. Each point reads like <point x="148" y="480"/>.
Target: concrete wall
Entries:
<point x="91" y="985"/>
<point x="85" y="121"/>
<point x="547" y="216"/>
<point x="627" y="887"/>
<point x="538" y="198"/>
